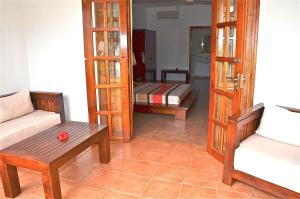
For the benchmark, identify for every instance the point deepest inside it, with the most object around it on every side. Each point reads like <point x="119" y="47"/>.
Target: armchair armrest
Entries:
<point x="291" y="109"/>
<point x="248" y="115"/>
<point x="49" y="101"/>
<point x="234" y="131"/>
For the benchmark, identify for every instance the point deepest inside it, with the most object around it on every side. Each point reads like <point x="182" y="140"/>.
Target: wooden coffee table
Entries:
<point x="45" y="153"/>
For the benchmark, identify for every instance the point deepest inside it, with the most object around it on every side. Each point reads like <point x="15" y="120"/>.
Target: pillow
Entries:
<point x="15" y="105"/>
<point x="280" y="124"/>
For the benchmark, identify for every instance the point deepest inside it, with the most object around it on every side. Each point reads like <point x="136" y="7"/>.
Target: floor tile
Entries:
<point x="177" y="159"/>
<point x="100" y="178"/>
<point x="162" y="189"/>
<point x="75" y="172"/>
<point x="233" y="195"/>
<point x="129" y="184"/>
<point x="191" y="192"/>
<point x="236" y="187"/>
<point x="201" y="178"/>
<point x="84" y="191"/>
<point x="141" y="168"/>
<point x="170" y="173"/>
<point x="117" y="195"/>
<point x="151" y="156"/>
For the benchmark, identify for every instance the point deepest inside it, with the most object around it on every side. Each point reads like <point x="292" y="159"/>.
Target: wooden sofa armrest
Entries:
<point x="248" y="115"/>
<point x="291" y="109"/>
<point x="49" y="101"/>
<point x="234" y="130"/>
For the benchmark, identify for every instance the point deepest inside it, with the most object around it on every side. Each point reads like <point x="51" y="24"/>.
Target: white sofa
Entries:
<point x="20" y="117"/>
<point x="269" y="159"/>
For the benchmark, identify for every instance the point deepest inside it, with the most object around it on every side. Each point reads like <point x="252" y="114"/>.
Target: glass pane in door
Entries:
<point x="116" y="97"/>
<point x="100" y="72"/>
<point x="113" y="43"/>
<point x="101" y="96"/>
<point x="219" y="140"/>
<point x="218" y="130"/>
<point x="222" y="112"/>
<point x="114" y="72"/>
<point x="221" y="42"/>
<point x="102" y="119"/>
<point x="226" y="13"/>
<point x="117" y="125"/>
<point x="225" y="76"/>
<point x="99" y="44"/>
<point x="222" y="11"/>
<point x="232" y="8"/>
<point x="231" y="41"/>
<point x="113" y="14"/>
<point x="98" y="15"/>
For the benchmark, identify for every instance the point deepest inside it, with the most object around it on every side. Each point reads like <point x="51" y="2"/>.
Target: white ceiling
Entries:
<point x="170" y="2"/>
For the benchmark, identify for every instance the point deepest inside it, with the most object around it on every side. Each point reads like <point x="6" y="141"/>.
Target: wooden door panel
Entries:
<point x="232" y="66"/>
<point x="105" y="32"/>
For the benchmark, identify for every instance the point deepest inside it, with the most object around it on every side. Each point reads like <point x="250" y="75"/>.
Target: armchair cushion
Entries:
<point x="270" y="160"/>
<point x="280" y="124"/>
<point x="16" y="105"/>
<point x="28" y="125"/>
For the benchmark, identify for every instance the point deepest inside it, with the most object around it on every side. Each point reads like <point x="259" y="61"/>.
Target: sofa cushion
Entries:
<point x="280" y="124"/>
<point x="16" y="105"/>
<point x="23" y="127"/>
<point x="269" y="160"/>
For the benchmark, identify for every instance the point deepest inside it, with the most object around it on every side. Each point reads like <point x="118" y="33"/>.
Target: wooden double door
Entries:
<point x="107" y="36"/>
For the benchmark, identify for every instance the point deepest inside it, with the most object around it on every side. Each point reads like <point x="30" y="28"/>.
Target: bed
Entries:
<point x="163" y="98"/>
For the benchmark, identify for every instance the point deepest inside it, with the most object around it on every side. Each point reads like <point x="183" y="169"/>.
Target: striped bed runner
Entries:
<point x="161" y="93"/>
<point x="179" y="94"/>
<point x="142" y="95"/>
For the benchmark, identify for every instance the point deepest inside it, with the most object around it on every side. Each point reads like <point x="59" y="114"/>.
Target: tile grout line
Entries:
<point x="146" y="186"/>
<point x="181" y="188"/>
<point x="104" y="192"/>
<point x="122" y="192"/>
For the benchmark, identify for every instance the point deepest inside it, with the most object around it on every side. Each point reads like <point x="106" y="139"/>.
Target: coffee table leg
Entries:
<point x="104" y="148"/>
<point x="10" y="180"/>
<point x="51" y="183"/>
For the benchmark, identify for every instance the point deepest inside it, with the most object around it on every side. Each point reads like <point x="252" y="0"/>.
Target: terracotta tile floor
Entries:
<point x="166" y="159"/>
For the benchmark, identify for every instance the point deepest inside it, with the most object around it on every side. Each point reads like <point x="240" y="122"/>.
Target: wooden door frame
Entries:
<point x="130" y="65"/>
<point x="190" y="47"/>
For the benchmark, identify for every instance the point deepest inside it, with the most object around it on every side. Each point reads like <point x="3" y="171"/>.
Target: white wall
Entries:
<point x="278" y="68"/>
<point x="55" y="51"/>
<point x="173" y="34"/>
<point x="139" y="16"/>
<point x="42" y="49"/>
<point x="13" y="56"/>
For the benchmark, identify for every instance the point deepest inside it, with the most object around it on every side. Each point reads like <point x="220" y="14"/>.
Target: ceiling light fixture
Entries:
<point x="189" y="1"/>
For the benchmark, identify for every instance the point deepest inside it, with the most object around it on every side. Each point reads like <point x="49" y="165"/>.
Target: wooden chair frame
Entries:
<point x="252" y="115"/>
<point x="49" y="101"/>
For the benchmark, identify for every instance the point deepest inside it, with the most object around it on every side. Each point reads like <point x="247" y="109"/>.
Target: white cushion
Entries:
<point x="23" y="127"/>
<point x="269" y="160"/>
<point x="15" y="105"/>
<point x="280" y="124"/>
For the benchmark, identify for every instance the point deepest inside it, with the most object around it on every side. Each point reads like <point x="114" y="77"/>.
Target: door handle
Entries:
<point x="238" y="81"/>
<point x="236" y="60"/>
